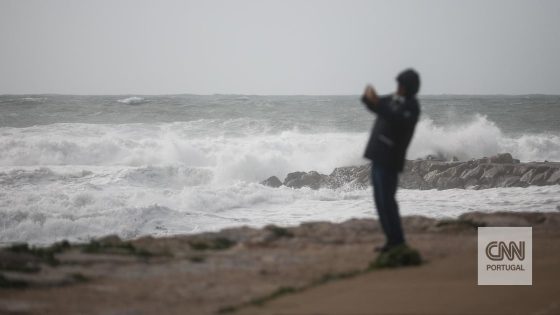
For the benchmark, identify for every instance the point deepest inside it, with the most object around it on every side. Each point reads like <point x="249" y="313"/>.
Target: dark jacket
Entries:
<point x="393" y="129"/>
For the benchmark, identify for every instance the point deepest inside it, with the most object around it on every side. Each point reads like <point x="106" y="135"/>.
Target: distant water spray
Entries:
<point x="478" y="138"/>
<point x="134" y="100"/>
<point x="250" y="154"/>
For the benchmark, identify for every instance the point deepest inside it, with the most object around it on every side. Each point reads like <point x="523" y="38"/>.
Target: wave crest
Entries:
<point x="478" y="138"/>
<point x="134" y="100"/>
<point x="251" y="155"/>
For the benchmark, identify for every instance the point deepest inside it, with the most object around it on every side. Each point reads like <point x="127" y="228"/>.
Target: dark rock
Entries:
<point x="527" y="176"/>
<point x="216" y="243"/>
<point x="491" y="175"/>
<point x="110" y="240"/>
<point x="521" y="169"/>
<point x="540" y="178"/>
<point x="363" y="175"/>
<point x="493" y="172"/>
<point x="502" y="158"/>
<point x="484" y="160"/>
<point x="272" y="181"/>
<point x="504" y="218"/>
<point x="441" y="166"/>
<point x="554" y="178"/>
<point x="21" y="262"/>
<point x="455" y="171"/>
<point x="431" y="177"/>
<point x="412" y="180"/>
<point x="358" y="176"/>
<point x="497" y="171"/>
<point x="474" y="173"/>
<point x="419" y="166"/>
<point x="293" y="177"/>
<point x="449" y="183"/>
<point x="312" y="180"/>
<point x="509" y="181"/>
<point x="437" y="157"/>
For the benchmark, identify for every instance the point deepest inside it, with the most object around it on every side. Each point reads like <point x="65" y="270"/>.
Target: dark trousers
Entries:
<point x="384" y="182"/>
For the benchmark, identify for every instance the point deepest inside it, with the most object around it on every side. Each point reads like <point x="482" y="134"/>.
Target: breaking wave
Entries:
<point x="481" y="137"/>
<point x="134" y="100"/>
<point x="249" y="153"/>
<point x="77" y="181"/>
<point x="249" y="158"/>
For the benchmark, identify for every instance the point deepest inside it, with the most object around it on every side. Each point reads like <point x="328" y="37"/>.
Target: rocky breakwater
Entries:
<point x="501" y="170"/>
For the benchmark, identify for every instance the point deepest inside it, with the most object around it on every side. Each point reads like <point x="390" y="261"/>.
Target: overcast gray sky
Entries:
<point x="277" y="47"/>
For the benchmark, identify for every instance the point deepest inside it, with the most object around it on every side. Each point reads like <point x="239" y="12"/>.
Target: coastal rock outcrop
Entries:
<point x="311" y="179"/>
<point x="501" y="170"/>
<point x="272" y="181"/>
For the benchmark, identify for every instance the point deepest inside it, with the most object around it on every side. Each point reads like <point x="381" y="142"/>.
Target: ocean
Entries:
<point x="78" y="167"/>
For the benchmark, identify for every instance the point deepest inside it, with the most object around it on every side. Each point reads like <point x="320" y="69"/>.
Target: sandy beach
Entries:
<point x="443" y="286"/>
<point x="314" y="268"/>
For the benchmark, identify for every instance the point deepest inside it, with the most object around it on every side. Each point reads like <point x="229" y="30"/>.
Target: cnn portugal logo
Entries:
<point x="505" y="256"/>
<point x="499" y="250"/>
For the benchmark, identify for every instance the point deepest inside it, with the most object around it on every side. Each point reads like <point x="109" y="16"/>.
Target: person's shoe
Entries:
<point x="382" y="249"/>
<point x="397" y="256"/>
<point x="386" y="247"/>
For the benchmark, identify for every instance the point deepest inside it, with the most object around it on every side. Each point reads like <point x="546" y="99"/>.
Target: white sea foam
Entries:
<point x="134" y="100"/>
<point x="241" y="149"/>
<point x="103" y="201"/>
<point x="250" y="158"/>
<point x="33" y="99"/>
<point x="480" y="137"/>
<point x="76" y="181"/>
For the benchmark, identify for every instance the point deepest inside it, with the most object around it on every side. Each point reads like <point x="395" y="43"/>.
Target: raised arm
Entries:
<point x="383" y="106"/>
<point x="370" y="98"/>
<point x="399" y="114"/>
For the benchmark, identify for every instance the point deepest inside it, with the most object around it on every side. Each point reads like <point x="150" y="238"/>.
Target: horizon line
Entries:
<point x="241" y="94"/>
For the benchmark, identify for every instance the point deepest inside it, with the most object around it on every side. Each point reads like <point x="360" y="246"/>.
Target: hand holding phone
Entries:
<point x="371" y="95"/>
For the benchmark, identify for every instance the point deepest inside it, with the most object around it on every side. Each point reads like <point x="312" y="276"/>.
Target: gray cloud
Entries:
<point x="277" y="47"/>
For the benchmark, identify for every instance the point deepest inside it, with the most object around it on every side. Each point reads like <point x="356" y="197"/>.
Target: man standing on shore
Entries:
<point x="397" y="115"/>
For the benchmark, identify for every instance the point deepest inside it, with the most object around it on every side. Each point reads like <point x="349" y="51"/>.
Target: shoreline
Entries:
<point x="233" y="269"/>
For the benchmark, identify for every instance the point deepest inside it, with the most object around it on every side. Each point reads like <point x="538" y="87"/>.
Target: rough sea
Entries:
<point x="77" y="167"/>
